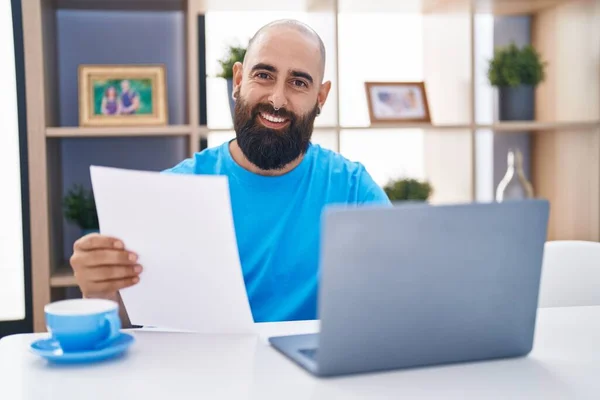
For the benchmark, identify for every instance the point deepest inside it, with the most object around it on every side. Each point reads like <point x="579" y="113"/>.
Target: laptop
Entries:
<point x="418" y="285"/>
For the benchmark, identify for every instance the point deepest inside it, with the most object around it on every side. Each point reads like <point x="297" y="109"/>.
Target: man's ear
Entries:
<point x="323" y="93"/>
<point x="238" y="72"/>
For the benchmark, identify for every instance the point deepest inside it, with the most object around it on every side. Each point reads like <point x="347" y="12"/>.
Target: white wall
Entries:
<point x="12" y="295"/>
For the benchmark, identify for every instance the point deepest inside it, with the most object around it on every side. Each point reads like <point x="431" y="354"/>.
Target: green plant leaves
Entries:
<point x="513" y="66"/>
<point x="408" y="189"/>
<point x="79" y="208"/>
<point x="234" y="54"/>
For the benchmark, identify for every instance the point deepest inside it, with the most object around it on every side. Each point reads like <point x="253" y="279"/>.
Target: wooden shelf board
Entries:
<point x="63" y="277"/>
<point x="496" y="7"/>
<point x="169" y="130"/>
<point x="267" y="5"/>
<point x="407" y="125"/>
<point x="523" y="126"/>
<point x="405" y="6"/>
<point x="204" y="130"/>
<point x="516" y="126"/>
<point x="134" y="5"/>
<point x="514" y="7"/>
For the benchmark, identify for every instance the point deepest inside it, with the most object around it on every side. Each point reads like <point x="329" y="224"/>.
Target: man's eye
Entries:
<point x="262" y="75"/>
<point x="300" y="83"/>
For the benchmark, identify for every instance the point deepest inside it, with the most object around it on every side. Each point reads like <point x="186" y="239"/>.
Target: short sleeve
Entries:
<point x="376" y="196"/>
<point x="369" y="192"/>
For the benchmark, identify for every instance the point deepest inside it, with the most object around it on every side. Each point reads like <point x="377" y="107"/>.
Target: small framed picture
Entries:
<point x="397" y="102"/>
<point x="122" y="95"/>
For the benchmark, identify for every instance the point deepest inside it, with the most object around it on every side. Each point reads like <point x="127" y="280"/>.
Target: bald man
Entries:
<point x="279" y="181"/>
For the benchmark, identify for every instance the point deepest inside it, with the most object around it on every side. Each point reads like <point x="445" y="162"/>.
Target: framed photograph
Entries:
<point x="122" y="95"/>
<point x="397" y="102"/>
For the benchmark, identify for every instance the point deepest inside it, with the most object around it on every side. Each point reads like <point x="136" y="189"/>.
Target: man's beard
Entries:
<point x="271" y="149"/>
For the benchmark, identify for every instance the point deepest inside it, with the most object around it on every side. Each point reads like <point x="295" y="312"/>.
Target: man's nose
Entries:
<point x="277" y="97"/>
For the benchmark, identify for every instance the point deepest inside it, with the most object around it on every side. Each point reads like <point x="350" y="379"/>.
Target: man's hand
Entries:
<point x="103" y="266"/>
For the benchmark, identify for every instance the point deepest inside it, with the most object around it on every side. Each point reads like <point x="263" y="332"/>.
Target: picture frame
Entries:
<point x="122" y="95"/>
<point x="397" y="102"/>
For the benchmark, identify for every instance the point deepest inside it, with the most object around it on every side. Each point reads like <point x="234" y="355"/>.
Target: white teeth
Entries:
<point x="272" y="118"/>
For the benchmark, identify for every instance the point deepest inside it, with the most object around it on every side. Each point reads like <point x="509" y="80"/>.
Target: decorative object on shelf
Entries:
<point x="234" y="54"/>
<point x="397" y="102"/>
<point x="516" y="72"/>
<point x="122" y="95"/>
<point x="408" y="189"/>
<point x="79" y="208"/>
<point x="514" y="185"/>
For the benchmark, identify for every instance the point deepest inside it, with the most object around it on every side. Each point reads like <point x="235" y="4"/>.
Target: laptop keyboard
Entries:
<point x="310" y="353"/>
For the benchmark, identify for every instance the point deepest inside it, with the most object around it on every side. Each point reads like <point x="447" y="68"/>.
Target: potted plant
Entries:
<point x="408" y="189"/>
<point x="233" y="55"/>
<point x="516" y="72"/>
<point x="80" y="208"/>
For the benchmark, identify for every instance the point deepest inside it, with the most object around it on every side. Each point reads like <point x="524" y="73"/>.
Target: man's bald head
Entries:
<point x="295" y="25"/>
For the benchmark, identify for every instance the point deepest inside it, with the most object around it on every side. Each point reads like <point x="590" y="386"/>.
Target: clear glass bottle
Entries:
<point x="514" y="185"/>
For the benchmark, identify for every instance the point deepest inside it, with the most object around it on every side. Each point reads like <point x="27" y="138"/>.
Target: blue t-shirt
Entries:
<point x="277" y="223"/>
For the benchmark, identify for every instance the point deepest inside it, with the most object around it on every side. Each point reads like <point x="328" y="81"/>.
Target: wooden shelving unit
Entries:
<point x="566" y="132"/>
<point x="46" y="135"/>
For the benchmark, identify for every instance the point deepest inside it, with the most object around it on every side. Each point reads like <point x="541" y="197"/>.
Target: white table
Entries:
<point x="565" y="364"/>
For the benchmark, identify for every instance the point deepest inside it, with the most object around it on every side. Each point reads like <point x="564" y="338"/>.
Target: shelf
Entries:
<point x="404" y="6"/>
<point x="516" y="126"/>
<point x="512" y="7"/>
<point x="408" y="125"/>
<point x="374" y="126"/>
<point x="523" y="126"/>
<point x="267" y="5"/>
<point x="63" y="277"/>
<point x="80" y="132"/>
<point x="203" y="129"/>
<point x="496" y="7"/>
<point x="136" y="5"/>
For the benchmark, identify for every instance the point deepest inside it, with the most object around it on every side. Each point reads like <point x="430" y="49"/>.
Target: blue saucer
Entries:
<point x="50" y="350"/>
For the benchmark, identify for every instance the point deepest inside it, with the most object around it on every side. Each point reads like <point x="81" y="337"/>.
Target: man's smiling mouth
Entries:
<point x="272" y="121"/>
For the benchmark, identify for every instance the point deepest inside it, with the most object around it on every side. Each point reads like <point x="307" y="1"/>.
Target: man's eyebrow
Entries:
<point x="266" y="67"/>
<point x="271" y="68"/>
<point x="301" y="74"/>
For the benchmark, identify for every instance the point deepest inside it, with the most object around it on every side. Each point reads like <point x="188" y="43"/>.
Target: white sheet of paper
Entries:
<point x="181" y="227"/>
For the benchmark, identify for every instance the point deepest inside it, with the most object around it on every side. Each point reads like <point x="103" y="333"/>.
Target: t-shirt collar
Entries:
<point x="251" y="177"/>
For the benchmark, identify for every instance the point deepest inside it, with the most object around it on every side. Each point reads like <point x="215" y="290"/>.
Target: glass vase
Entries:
<point x="514" y="185"/>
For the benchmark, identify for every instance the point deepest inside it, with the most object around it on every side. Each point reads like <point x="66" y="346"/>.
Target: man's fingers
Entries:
<point x="113" y="286"/>
<point x="113" y="272"/>
<point x="98" y="258"/>
<point x="103" y="266"/>
<point x="95" y="241"/>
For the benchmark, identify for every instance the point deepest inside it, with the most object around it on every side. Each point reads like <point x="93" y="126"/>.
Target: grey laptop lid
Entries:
<point x="416" y="285"/>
